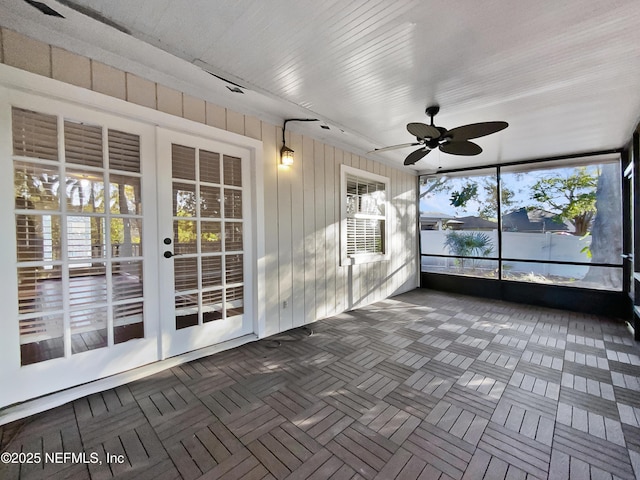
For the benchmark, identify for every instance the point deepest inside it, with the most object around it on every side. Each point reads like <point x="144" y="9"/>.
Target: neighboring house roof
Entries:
<point x="431" y="216"/>
<point x="475" y="223"/>
<point x="536" y="220"/>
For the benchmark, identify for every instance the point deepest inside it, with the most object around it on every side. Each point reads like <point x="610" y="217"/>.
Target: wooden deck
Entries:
<point x="423" y="386"/>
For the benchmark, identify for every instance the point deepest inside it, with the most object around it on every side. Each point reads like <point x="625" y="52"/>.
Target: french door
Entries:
<point x="205" y="233"/>
<point x="125" y="243"/>
<point x="79" y="257"/>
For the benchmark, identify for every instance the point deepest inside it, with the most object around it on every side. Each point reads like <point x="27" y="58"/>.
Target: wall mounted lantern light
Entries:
<point x="286" y="153"/>
<point x="286" y="156"/>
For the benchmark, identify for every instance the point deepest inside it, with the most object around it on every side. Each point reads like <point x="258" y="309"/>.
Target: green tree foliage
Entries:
<point x="484" y="192"/>
<point x="572" y="197"/>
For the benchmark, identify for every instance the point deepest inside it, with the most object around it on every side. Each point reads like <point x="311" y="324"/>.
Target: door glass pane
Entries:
<point x="41" y="338"/>
<point x="88" y="329"/>
<point x="183" y="162"/>
<point x="85" y="237"/>
<point x="233" y="268"/>
<point x="127" y="280"/>
<point x="124" y="151"/>
<point x="87" y="284"/>
<point x="83" y="144"/>
<point x="185" y="274"/>
<point x="84" y="192"/>
<point x="210" y="237"/>
<point x="211" y="271"/>
<point x="127" y="322"/>
<point x="34" y="134"/>
<point x="212" y="306"/>
<point x="186" y="310"/>
<point x="38" y="237"/>
<point x="124" y="196"/>
<point x="209" y="167"/>
<point x="185" y="237"/>
<point x="210" y="202"/>
<point x="232" y="236"/>
<point x="235" y="301"/>
<point x="232" y="203"/>
<point x="126" y="237"/>
<point x="184" y="200"/>
<point x="39" y="289"/>
<point x="232" y="171"/>
<point x="71" y="251"/>
<point x="203" y="280"/>
<point x="37" y="187"/>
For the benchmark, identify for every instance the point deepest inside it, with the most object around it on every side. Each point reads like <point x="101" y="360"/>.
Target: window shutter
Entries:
<point x="183" y="160"/>
<point x="83" y="144"/>
<point x="124" y="151"/>
<point x="34" y="134"/>
<point x="365" y="210"/>
<point x="233" y="268"/>
<point x="232" y="171"/>
<point x="209" y="167"/>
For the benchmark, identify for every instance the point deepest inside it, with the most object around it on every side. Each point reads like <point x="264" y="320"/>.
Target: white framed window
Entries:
<point x="364" y="221"/>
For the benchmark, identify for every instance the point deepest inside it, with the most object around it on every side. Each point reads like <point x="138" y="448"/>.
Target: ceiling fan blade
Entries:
<point x="416" y="155"/>
<point x="461" y="148"/>
<point x="422" y="130"/>
<point x="394" y="147"/>
<point x="476" y="130"/>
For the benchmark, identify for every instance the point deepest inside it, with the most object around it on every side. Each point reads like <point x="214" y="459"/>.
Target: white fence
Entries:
<point x="528" y="246"/>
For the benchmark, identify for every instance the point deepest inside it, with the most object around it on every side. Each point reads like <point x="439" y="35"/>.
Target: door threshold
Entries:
<point x="56" y="399"/>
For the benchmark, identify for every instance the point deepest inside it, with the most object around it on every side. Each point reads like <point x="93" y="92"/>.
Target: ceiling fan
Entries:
<point x="454" y="141"/>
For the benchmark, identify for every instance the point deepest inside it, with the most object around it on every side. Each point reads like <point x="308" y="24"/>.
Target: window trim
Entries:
<point x="361" y="258"/>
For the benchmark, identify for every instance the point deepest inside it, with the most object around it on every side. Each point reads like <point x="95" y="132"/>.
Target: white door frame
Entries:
<point x="176" y="342"/>
<point x="28" y="90"/>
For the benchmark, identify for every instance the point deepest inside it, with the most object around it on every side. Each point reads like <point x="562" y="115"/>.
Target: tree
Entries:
<point x="484" y="192"/>
<point x="572" y="197"/>
<point x="606" y="246"/>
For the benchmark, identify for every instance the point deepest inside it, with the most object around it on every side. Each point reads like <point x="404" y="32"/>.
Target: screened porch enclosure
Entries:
<point x="550" y="223"/>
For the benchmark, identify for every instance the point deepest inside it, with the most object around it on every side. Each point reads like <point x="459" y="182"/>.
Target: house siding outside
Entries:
<point x="304" y="280"/>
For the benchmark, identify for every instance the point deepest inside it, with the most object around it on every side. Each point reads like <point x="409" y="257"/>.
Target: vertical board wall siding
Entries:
<point x="296" y="302"/>
<point x="319" y="242"/>
<point x="271" y="221"/>
<point x="304" y="279"/>
<point x="285" y="249"/>
<point x="309" y="226"/>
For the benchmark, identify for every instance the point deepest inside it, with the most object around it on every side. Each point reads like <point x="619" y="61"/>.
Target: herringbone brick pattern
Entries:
<point x="422" y="386"/>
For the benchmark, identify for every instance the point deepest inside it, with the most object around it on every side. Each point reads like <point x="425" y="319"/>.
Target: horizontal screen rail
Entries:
<point x="523" y="260"/>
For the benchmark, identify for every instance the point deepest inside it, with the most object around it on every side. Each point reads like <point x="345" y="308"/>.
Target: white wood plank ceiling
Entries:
<point x="564" y="75"/>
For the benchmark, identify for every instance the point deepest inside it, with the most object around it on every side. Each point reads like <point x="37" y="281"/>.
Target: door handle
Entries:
<point x="169" y="254"/>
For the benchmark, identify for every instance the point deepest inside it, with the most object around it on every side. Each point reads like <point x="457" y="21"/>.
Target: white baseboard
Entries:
<point x="47" y="402"/>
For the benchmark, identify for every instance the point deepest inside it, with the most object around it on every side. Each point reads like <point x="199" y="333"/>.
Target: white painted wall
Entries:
<point x="304" y="281"/>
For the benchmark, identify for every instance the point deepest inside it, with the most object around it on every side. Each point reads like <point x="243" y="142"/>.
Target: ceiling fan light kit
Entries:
<point x="454" y="141"/>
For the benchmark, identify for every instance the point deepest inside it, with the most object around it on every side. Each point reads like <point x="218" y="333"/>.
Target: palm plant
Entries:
<point x="469" y="244"/>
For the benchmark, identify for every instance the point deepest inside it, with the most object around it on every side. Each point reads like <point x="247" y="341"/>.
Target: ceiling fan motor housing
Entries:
<point x="432" y="111"/>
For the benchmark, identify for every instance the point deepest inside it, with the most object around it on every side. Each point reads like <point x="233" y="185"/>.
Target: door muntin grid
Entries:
<point x="78" y="226"/>
<point x="208" y="242"/>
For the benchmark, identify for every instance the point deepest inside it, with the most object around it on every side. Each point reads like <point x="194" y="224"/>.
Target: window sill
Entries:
<point x="363" y="258"/>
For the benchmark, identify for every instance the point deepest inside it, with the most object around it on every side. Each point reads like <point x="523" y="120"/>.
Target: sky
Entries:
<point x="519" y="183"/>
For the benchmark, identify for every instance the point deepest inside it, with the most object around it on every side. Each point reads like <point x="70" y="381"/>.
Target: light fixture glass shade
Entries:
<point x="286" y="156"/>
